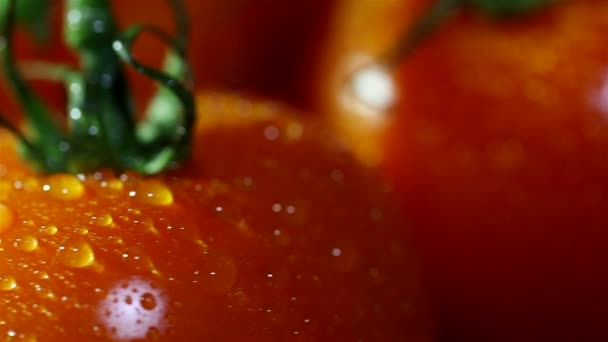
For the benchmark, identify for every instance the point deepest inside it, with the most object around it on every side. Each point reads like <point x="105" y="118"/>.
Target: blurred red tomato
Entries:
<point x="499" y="149"/>
<point x="498" y="145"/>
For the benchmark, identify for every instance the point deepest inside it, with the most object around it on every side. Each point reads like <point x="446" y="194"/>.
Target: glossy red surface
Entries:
<point x="273" y="232"/>
<point x="499" y="148"/>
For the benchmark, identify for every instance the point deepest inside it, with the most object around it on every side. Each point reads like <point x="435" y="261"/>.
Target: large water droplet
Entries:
<point x="76" y="254"/>
<point x="49" y="230"/>
<point x="7" y="217"/>
<point x="81" y="230"/>
<point x="103" y="220"/>
<point x="26" y="243"/>
<point x="64" y="186"/>
<point x="110" y="188"/>
<point x="7" y="283"/>
<point x="152" y="192"/>
<point x="147" y="301"/>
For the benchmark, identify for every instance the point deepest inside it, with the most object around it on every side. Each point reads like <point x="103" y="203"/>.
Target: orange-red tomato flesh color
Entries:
<point x="271" y="233"/>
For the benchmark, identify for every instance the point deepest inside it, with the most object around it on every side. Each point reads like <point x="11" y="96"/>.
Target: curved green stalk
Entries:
<point x="510" y="7"/>
<point x="35" y="15"/>
<point x="45" y="134"/>
<point x="179" y="137"/>
<point x="102" y="131"/>
<point x="443" y="9"/>
<point x="422" y="28"/>
<point x="159" y="122"/>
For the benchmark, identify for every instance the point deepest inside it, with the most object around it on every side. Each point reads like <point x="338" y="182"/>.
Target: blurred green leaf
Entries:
<point x="509" y="7"/>
<point x="34" y="15"/>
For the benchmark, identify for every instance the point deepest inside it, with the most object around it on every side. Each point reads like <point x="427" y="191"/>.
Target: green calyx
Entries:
<point x="509" y="7"/>
<point x="102" y="130"/>
<point x="443" y="9"/>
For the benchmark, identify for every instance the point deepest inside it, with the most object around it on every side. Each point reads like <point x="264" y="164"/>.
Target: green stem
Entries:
<point x="159" y="122"/>
<point x="180" y="136"/>
<point x="101" y="130"/>
<point x="441" y="10"/>
<point x="45" y="132"/>
<point x="422" y="28"/>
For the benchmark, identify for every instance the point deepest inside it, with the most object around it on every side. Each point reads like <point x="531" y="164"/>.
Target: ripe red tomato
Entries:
<point x="499" y="148"/>
<point x="498" y="145"/>
<point x="273" y="232"/>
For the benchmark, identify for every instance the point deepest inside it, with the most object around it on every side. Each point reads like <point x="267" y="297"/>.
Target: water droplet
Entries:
<point x="110" y="188"/>
<point x="217" y="273"/>
<point x="81" y="230"/>
<point x="294" y="131"/>
<point x="147" y="301"/>
<point x="277" y="207"/>
<point x="31" y="184"/>
<point x="42" y="275"/>
<point x="152" y="192"/>
<point x="7" y="217"/>
<point x="271" y="132"/>
<point x="64" y="186"/>
<point x="344" y="256"/>
<point x="277" y="276"/>
<point x="49" y="230"/>
<point x="28" y="338"/>
<point x="137" y="258"/>
<point x="5" y="187"/>
<point x="153" y="334"/>
<point x="117" y="240"/>
<point x="76" y="254"/>
<point x="103" y="220"/>
<point x="115" y="184"/>
<point x="7" y="283"/>
<point x="18" y="185"/>
<point x="27" y="243"/>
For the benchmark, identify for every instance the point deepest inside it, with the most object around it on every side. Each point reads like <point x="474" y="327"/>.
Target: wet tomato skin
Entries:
<point x="272" y="232"/>
<point x="497" y="144"/>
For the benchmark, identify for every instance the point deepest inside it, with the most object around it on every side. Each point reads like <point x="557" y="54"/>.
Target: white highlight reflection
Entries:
<point x="374" y="86"/>
<point x="133" y="308"/>
<point x="370" y="89"/>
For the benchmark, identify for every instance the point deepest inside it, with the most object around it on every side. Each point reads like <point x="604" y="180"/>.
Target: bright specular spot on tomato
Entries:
<point x="134" y="309"/>
<point x="375" y="87"/>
